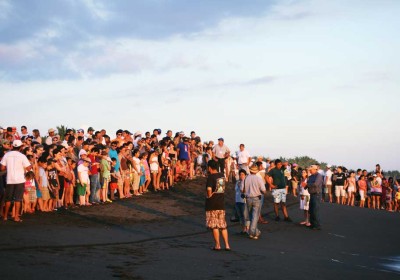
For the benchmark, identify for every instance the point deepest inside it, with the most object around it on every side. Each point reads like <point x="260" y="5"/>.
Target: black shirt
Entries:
<point x="217" y="200"/>
<point x="340" y="179"/>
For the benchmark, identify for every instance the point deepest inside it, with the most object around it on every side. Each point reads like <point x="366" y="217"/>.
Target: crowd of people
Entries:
<point x="79" y="169"/>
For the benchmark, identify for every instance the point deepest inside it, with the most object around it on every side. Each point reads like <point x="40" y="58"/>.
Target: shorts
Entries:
<point x="105" y="183"/>
<point x="351" y="189"/>
<point x="279" y="195"/>
<point x="81" y="189"/>
<point x="328" y="189"/>
<point x="388" y="199"/>
<point x="215" y="219"/>
<point x="340" y="191"/>
<point x="32" y="195"/>
<point x="154" y="171"/>
<point x="305" y="202"/>
<point x="14" y="192"/>
<point x="362" y="195"/>
<point x="376" y="194"/>
<point x="45" y="193"/>
<point x="113" y="186"/>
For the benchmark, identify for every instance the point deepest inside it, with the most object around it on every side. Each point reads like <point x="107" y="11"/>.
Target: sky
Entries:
<point x="286" y="78"/>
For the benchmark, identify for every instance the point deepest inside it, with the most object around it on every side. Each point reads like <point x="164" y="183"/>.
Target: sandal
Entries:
<point x="215" y="249"/>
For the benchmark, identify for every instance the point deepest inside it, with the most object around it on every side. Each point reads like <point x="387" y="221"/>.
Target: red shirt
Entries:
<point x="94" y="169"/>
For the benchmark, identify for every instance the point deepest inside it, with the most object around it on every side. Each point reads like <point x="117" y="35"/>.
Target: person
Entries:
<point x="83" y="184"/>
<point x="253" y="188"/>
<point x="340" y="181"/>
<point x="376" y="192"/>
<point x="49" y="139"/>
<point x="240" y="203"/>
<point x="17" y="165"/>
<point x="328" y="182"/>
<point x="304" y="198"/>
<point x="351" y="188"/>
<point x="183" y="152"/>
<point x="362" y="189"/>
<point x="314" y="187"/>
<point x="295" y="178"/>
<point x="243" y="158"/>
<point x="277" y="183"/>
<point x="220" y="153"/>
<point x="215" y="205"/>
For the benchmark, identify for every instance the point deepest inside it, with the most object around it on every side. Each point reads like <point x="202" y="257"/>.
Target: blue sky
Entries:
<point x="290" y="78"/>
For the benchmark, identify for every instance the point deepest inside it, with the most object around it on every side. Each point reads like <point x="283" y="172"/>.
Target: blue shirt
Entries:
<point x="315" y="183"/>
<point x="183" y="151"/>
<point x="114" y="154"/>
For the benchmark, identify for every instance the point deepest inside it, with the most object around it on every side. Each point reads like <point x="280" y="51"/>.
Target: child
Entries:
<point x="362" y="190"/>
<point x="351" y="188"/>
<point x="53" y="184"/>
<point x="105" y="167"/>
<point x="43" y="184"/>
<point x="240" y="204"/>
<point x="69" y="183"/>
<point x="143" y="174"/>
<point x="389" y="206"/>
<point x="164" y="182"/>
<point x="83" y="183"/>
<point x="397" y="196"/>
<point x="113" y="179"/>
<point x="30" y="193"/>
<point x="178" y="171"/>
<point x="304" y="198"/>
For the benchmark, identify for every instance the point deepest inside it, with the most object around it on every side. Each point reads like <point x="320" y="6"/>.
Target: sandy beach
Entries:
<point x="162" y="236"/>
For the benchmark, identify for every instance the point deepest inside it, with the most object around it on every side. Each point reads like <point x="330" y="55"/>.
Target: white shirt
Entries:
<point x="243" y="157"/>
<point x="16" y="164"/>
<point x="328" y="177"/>
<point x="84" y="171"/>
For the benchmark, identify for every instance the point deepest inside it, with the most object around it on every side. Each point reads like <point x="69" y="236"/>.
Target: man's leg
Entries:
<point x="276" y="209"/>
<point x="284" y="210"/>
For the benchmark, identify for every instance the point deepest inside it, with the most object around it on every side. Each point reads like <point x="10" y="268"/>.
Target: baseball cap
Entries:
<point x="137" y="133"/>
<point x="82" y="152"/>
<point x="329" y="166"/>
<point x="90" y="129"/>
<point x="220" y="139"/>
<point x="51" y="130"/>
<point x="17" y="143"/>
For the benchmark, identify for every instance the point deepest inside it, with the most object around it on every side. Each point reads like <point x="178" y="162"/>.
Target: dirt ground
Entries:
<point x="163" y="236"/>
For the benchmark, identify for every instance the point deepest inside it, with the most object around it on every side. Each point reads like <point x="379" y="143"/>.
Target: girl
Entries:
<point x="43" y="184"/>
<point x="114" y="176"/>
<point x="143" y="174"/>
<point x="54" y="184"/>
<point x="304" y="198"/>
<point x="154" y="169"/>
<point x="146" y="170"/>
<point x="351" y="188"/>
<point x="376" y="192"/>
<point x="30" y="193"/>
<point x="136" y="172"/>
<point x="105" y="168"/>
<point x="362" y="190"/>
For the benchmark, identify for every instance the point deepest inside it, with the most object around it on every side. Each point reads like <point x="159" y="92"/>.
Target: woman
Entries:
<point x="304" y="198"/>
<point x="351" y="188"/>
<point x="124" y="169"/>
<point x="240" y="204"/>
<point x="376" y="192"/>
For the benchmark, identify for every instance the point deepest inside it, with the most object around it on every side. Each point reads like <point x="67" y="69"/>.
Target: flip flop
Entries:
<point x="18" y="221"/>
<point x="215" y="249"/>
<point x="227" y="249"/>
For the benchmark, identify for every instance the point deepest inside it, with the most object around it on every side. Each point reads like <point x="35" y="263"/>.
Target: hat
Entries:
<point x="329" y="166"/>
<point x="4" y="141"/>
<point x="294" y="164"/>
<point x="51" y="130"/>
<point x="65" y="145"/>
<point x="137" y="133"/>
<point x="108" y="159"/>
<point x="234" y="156"/>
<point x="181" y="133"/>
<point x="87" y="160"/>
<point x="82" y="152"/>
<point x="375" y="175"/>
<point x="254" y="169"/>
<point x="17" y="143"/>
<point x="90" y="129"/>
<point x="80" y="130"/>
<point x="221" y="139"/>
<point x="313" y="166"/>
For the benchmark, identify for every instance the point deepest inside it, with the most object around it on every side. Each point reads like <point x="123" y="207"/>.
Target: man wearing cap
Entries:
<point x="314" y="186"/>
<point x="183" y="151"/>
<point x="17" y="165"/>
<point x="253" y="188"/>
<point x="220" y="153"/>
<point x="328" y="182"/>
<point x="49" y="139"/>
<point x="90" y="132"/>
<point x="243" y="158"/>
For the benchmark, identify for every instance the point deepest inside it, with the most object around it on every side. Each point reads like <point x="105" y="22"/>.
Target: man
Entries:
<point x="24" y="131"/>
<point x="314" y="186"/>
<point x="183" y="151"/>
<point x="328" y="182"/>
<point x="220" y="153"/>
<point x="215" y="205"/>
<point x="295" y="178"/>
<point x="262" y="175"/>
<point x="277" y="183"/>
<point x="89" y="134"/>
<point x="340" y="192"/>
<point x="244" y="158"/>
<point x="49" y="139"/>
<point x="253" y="188"/>
<point x="17" y="165"/>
